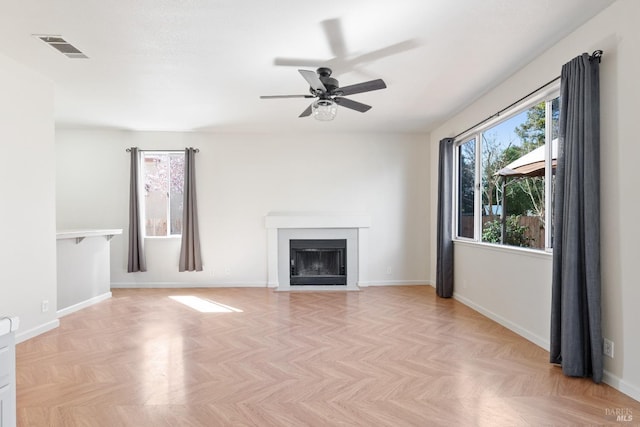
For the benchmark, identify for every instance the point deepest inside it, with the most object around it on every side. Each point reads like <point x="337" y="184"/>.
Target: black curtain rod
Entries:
<point x="128" y="150"/>
<point x="596" y="55"/>
<point x="507" y="107"/>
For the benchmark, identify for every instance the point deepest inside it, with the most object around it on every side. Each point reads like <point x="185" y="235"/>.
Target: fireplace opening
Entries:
<point x="318" y="262"/>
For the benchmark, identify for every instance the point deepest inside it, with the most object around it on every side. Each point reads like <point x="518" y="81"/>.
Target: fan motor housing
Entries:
<point x="330" y="83"/>
<point x="324" y="74"/>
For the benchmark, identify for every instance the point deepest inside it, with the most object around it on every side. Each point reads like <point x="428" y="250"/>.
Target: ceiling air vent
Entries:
<point x="62" y="46"/>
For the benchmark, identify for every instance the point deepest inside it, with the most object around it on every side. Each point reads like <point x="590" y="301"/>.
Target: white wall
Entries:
<point x="27" y="186"/>
<point x="243" y="177"/>
<point x="83" y="269"/>
<point x="515" y="288"/>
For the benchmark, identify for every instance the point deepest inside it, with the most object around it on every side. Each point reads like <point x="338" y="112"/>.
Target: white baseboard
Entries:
<point x="622" y="386"/>
<point x="393" y="283"/>
<point x="536" y="339"/>
<point x="33" y="332"/>
<point x="179" y="285"/>
<point x="319" y="288"/>
<point x="83" y="304"/>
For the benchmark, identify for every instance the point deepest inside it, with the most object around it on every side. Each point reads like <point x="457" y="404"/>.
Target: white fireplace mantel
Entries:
<point x="278" y="223"/>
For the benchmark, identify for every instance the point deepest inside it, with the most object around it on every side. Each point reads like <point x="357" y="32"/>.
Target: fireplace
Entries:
<point x="283" y="227"/>
<point x="318" y="262"/>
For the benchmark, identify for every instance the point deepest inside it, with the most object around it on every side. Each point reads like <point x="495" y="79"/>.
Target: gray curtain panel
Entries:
<point x="444" y="262"/>
<point x="136" y="261"/>
<point x="576" y="332"/>
<point x="190" y="258"/>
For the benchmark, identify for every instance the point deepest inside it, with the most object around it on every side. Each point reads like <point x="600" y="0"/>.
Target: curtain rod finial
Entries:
<point x="597" y="54"/>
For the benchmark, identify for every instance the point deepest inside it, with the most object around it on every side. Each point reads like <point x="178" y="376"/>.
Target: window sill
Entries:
<point x="163" y="237"/>
<point x="537" y="253"/>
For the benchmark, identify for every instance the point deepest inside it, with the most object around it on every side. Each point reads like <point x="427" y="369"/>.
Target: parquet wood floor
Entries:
<point x="385" y="356"/>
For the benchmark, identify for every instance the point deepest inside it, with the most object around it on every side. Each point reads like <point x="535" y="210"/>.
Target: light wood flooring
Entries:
<point x="385" y="356"/>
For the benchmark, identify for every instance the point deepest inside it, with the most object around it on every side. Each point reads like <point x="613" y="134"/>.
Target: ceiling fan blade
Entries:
<point x="300" y="62"/>
<point x="285" y="96"/>
<point x="306" y="112"/>
<point x="362" y="87"/>
<point x="333" y="32"/>
<point x="314" y="81"/>
<point x="384" y="52"/>
<point x="358" y="106"/>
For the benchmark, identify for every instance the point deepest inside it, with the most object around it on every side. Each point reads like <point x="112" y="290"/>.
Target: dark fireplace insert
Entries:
<point x="318" y="262"/>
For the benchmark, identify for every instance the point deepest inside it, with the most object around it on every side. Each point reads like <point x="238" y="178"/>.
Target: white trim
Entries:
<point x="285" y="235"/>
<point x="622" y="386"/>
<point x="285" y="223"/>
<point x="34" y="332"/>
<point x="319" y="288"/>
<point x="183" y="285"/>
<point x="517" y="250"/>
<point x="142" y="173"/>
<point x="539" y="341"/>
<point x="395" y="283"/>
<point x="79" y="306"/>
<point x="548" y="172"/>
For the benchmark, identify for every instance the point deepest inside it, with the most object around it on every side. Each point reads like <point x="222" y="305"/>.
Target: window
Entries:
<point x="505" y="173"/>
<point x="163" y="178"/>
<point x="466" y="188"/>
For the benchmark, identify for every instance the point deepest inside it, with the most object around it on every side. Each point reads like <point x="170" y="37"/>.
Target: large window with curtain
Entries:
<point x="504" y="172"/>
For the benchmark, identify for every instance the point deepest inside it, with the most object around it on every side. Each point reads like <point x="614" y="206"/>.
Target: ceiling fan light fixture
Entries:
<point x="324" y="109"/>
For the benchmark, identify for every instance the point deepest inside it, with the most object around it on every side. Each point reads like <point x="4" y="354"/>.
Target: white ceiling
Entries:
<point x="201" y="64"/>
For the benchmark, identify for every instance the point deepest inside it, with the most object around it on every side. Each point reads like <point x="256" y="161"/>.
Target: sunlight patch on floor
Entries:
<point x="204" y="305"/>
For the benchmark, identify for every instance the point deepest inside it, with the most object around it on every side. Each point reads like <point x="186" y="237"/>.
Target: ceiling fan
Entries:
<point x="330" y="94"/>
<point x="343" y="59"/>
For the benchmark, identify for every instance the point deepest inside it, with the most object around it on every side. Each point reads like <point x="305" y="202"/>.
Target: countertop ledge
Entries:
<point x="81" y="234"/>
<point x="8" y="324"/>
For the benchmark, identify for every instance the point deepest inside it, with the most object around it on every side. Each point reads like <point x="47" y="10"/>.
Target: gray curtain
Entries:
<point x="190" y="258"/>
<point x="444" y="262"/>
<point x="576" y="333"/>
<point x="136" y="260"/>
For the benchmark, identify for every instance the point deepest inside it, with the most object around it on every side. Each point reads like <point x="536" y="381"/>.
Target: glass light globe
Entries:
<point x="324" y="109"/>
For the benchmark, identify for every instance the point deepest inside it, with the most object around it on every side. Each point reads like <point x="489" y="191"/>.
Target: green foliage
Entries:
<point x="518" y="196"/>
<point x="532" y="131"/>
<point x="492" y="231"/>
<point x="525" y="196"/>
<point x="467" y="177"/>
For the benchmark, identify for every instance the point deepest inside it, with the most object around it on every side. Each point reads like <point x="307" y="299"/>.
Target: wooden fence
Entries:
<point x="534" y="234"/>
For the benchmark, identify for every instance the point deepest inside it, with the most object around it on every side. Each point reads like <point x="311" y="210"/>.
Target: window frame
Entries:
<point x="142" y="191"/>
<point x="547" y="95"/>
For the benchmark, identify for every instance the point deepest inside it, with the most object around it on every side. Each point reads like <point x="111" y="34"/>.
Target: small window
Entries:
<point x="163" y="178"/>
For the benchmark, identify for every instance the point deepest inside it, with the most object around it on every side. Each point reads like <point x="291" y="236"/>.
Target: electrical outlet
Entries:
<point x="389" y="270"/>
<point x="45" y="306"/>
<point x="607" y="348"/>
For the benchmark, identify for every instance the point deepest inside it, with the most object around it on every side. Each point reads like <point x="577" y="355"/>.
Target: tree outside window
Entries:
<point x="163" y="193"/>
<point x="513" y="203"/>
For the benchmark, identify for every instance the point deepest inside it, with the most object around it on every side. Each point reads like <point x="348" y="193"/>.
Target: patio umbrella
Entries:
<point x="532" y="163"/>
